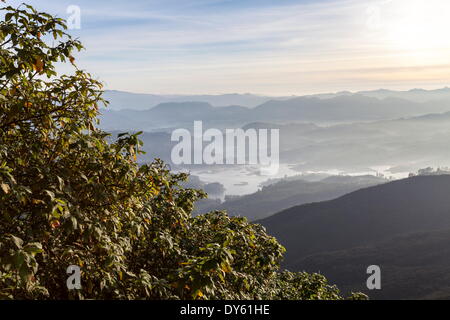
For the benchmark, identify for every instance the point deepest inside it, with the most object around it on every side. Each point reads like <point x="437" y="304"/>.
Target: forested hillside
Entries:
<point x="395" y="225"/>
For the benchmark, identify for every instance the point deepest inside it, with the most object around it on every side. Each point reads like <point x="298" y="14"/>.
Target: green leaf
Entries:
<point x="33" y="248"/>
<point x="17" y="242"/>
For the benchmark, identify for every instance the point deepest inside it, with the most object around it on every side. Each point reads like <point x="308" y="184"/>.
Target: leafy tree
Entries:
<point x="68" y="197"/>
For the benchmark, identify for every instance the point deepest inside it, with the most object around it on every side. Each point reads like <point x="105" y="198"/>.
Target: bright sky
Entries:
<point x="278" y="47"/>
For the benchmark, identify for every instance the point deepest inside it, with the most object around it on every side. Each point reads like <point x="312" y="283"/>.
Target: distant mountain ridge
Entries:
<point x="338" y="109"/>
<point x="415" y="95"/>
<point x="120" y="100"/>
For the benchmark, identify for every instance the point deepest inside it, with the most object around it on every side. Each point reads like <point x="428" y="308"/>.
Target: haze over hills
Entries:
<point x="344" y="109"/>
<point x="120" y="100"/>
<point x="415" y="95"/>
<point x="411" y="143"/>
<point x="173" y="115"/>
<point x="339" y="109"/>
<point x="365" y="224"/>
<point x="395" y="147"/>
<point x="287" y="193"/>
<point x="399" y="225"/>
<point x="140" y="101"/>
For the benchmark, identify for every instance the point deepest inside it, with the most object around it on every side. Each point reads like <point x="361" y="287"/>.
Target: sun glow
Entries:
<point x="419" y="25"/>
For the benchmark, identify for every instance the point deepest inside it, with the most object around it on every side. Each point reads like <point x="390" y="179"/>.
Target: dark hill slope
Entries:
<point x="415" y="266"/>
<point x="364" y="217"/>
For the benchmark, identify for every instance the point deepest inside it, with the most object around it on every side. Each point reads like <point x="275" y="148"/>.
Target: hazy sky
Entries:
<point x="278" y="47"/>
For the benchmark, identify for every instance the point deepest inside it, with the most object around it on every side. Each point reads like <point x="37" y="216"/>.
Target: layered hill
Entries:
<point x="339" y="109"/>
<point x="287" y="193"/>
<point x="371" y="226"/>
